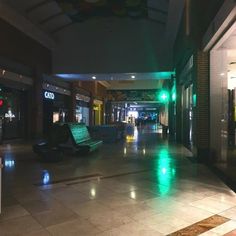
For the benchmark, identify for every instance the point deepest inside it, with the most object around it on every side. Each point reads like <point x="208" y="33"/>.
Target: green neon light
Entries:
<point x="164" y="96"/>
<point x="194" y="100"/>
<point x="174" y="97"/>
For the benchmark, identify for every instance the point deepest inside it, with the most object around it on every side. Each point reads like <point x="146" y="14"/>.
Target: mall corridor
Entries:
<point x="142" y="186"/>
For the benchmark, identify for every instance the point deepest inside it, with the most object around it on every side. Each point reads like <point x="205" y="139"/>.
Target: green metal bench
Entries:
<point x="80" y="139"/>
<point x="63" y="137"/>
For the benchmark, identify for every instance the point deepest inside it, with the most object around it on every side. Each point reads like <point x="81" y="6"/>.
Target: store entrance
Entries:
<point x="54" y="111"/>
<point x="223" y="103"/>
<point x="13" y="113"/>
<point x="188" y="116"/>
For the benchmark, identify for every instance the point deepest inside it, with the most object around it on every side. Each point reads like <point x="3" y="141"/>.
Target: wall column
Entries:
<point x="91" y="112"/>
<point x="202" y="109"/>
<point x="72" y="105"/>
<point x="36" y="118"/>
<point x="179" y="110"/>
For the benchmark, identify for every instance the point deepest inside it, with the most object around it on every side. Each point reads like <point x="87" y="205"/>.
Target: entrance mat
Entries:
<point x="201" y="226"/>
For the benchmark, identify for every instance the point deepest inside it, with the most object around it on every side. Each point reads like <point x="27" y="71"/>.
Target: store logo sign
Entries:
<point x="49" y="95"/>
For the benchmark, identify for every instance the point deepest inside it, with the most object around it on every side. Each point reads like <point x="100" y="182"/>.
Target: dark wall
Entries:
<point x="202" y="12"/>
<point x="110" y="45"/>
<point x="16" y="49"/>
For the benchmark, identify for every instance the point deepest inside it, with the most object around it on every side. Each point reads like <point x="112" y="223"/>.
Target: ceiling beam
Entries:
<point x="175" y="12"/>
<point x="62" y="27"/>
<point x="11" y="16"/>
<point x="40" y="4"/>
<point x="157" y="21"/>
<point x="46" y="20"/>
<point x="158" y="10"/>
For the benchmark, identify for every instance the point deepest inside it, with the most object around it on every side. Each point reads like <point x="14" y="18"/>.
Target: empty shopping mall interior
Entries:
<point x="117" y="117"/>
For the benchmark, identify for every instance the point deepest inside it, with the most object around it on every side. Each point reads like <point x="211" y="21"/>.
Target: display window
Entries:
<point x="223" y="102"/>
<point x="55" y="109"/>
<point x="97" y="112"/>
<point x="82" y="109"/>
<point x="13" y="113"/>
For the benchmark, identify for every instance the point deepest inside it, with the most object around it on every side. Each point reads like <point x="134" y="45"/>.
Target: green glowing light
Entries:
<point x="174" y="97"/>
<point x="165" y="172"/>
<point x="164" y="96"/>
<point x="194" y="100"/>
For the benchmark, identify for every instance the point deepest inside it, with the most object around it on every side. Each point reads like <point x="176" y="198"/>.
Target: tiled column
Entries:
<point x="91" y="112"/>
<point x="36" y="118"/>
<point x="72" y="105"/>
<point x="179" y="114"/>
<point x="202" y="108"/>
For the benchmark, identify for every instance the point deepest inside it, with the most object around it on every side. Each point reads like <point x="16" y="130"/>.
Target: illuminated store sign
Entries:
<point x="49" y="95"/>
<point x="9" y="115"/>
<point x="81" y="97"/>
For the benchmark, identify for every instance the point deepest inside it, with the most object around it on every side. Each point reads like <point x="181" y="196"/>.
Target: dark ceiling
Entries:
<point x="80" y="10"/>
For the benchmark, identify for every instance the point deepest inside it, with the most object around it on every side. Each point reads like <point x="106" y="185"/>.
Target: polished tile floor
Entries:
<point x="144" y="186"/>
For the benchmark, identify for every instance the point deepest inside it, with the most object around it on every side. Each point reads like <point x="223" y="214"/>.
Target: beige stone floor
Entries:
<point x="144" y="187"/>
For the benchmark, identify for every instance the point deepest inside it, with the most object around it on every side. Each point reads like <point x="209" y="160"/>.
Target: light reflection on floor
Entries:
<point x="146" y="187"/>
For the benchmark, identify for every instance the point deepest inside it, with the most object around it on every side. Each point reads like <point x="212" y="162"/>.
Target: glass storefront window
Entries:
<point x="13" y="113"/>
<point x="222" y="102"/>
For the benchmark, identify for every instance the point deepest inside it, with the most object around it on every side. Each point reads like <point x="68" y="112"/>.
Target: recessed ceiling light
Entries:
<point x="94" y="77"/>
<point x="133" y="76"/>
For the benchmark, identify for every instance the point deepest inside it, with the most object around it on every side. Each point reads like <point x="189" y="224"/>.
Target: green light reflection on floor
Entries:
<point x="165" y="172"/>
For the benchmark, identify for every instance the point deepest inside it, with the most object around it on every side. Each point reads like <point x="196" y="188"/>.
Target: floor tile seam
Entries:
<point x="215" y="200"/>
<point x="95" y="175"/>
<point x="45" y="227"/>
<point x="209" y="185"/>
<point x="32" y="216"/>
<point x="104" y="188"/>
<point x="63" y="204"/>
<point x="53" y="209"/>
<point x="72" y="220"/>
<point x="168" y="217"/>
<point x="201" y="208"/>
<point x="227" y="210"/>
<point x="118" y="226"/>
<point x="111" y="227"/>
<point x="222" y="225"/>
<point x="227" y="202"/>
<point x="17" y="217"/>
<point x="145" y="225"/>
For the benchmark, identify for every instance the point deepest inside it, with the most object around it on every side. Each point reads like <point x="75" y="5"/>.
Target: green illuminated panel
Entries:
<point x="164" y="96"/>
<point x="79" y="133"/>
<point x="194" y="100"/>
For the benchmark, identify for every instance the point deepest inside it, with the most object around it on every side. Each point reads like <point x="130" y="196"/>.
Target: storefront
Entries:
<point x="188" y="104"/>
<point x="82" y="108"/>
<point x="223" y="102"/>
<point x="14" y="108"/>
<point x="98" y="111"/>
<point x="56" y="103"/>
